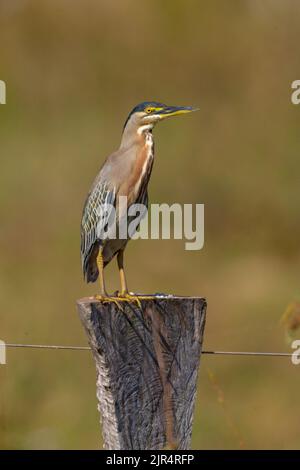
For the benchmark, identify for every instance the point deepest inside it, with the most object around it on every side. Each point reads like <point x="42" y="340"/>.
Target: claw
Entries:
<point x="131" y="297"/>
<point x="124" y="297"/>
<point x="145" y="297"/>
<point x="107" y="299"/>
<point x="127" y="297"/>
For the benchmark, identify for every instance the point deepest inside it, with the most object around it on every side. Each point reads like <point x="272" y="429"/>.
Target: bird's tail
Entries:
<point x="91" y="273"/>
<point x="90" y="268"/>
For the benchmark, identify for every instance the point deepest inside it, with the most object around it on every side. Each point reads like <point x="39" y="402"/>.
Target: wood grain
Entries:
<point x="147" y="363"/>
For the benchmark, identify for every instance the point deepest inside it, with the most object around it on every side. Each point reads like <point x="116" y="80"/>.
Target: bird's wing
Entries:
<point x="96" y="213"/>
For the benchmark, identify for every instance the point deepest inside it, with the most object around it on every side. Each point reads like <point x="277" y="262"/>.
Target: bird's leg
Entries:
<point x="100" y="266"/>
<point x="124" y="288"/>
<point x="124" y="294"/>
<point x="103" y="297"/>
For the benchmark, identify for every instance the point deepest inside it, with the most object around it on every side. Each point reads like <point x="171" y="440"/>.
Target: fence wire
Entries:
<point x="208" y="352"/>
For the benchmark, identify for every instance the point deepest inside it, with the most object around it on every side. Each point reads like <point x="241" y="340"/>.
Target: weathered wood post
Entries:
<point x="147" y="363"/>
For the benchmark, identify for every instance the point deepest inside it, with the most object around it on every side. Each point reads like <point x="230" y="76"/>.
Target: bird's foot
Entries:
<point x="107" y="299"/>
<point x="129" y="297"/>
<point x="134" y="298"/>
<point x="145" y="297"/>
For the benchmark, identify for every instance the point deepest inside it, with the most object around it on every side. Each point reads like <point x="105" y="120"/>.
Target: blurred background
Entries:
<point x="74" y="70"/>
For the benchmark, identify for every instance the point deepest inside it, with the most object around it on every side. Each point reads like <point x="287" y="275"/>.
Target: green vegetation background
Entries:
<point x="73" y="71"/>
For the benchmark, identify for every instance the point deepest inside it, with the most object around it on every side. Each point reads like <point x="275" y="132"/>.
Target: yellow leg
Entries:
<point x="100" y="265"/>
<point x="124" y="295"/>
<point x="120" y="259"/>
<point x="103" y="297"/>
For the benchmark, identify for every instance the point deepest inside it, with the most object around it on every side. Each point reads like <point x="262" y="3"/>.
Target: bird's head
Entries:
<point x="145" y="115"/>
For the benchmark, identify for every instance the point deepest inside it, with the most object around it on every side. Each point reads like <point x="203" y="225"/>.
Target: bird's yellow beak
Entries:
<point x="169" y="111"/>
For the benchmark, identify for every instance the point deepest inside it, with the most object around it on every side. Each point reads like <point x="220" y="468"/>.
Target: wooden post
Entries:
<point x="147" y="363"/>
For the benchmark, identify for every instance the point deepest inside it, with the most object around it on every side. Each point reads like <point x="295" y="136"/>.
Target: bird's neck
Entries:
<point x="141" y="134"/>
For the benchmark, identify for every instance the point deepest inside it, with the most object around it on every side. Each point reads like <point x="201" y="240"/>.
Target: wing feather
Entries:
<point x="95" y="217"/>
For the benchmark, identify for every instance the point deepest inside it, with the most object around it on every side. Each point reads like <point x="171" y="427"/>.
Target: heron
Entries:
<point x="126" y="172"/>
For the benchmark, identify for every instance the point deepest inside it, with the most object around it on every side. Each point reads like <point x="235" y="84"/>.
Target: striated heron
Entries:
<point x="125" y="172"/>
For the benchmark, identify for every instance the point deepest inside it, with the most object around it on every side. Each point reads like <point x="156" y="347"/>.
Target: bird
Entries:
<point x="126" y="172"/>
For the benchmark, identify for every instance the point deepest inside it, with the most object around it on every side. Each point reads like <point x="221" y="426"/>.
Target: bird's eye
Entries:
<point x="149" y="110"/>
